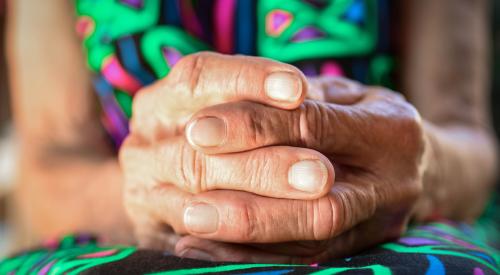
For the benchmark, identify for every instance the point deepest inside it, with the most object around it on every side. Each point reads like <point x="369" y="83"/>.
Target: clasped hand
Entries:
<point x="235" y="158"/>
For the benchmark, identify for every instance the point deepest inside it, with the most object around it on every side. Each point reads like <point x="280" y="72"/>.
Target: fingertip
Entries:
<point x="344" y="91"/>
<point x="206" y="132"/>
<point x="286" y="89"/>
<point x="201" y="218"/>
<point x="308" y="175"/>
<point x="184" y="245"/>
<point x="181" y="245"/>
<point x="312" y="177"/>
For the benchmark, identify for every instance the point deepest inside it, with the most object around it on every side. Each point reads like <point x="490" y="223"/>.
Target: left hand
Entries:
<point x="375" y="141"/>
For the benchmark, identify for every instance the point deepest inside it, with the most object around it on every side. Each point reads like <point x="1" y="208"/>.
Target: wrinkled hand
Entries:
<point x="375" y="142"/>
<point x="162" y="171"/>
<point x="271" y="168"/>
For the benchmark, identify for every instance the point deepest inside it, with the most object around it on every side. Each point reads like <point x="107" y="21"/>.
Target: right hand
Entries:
<point x="163" y="172"/>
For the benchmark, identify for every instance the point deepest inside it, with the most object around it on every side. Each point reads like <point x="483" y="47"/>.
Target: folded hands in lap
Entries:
<point x="235" y="158"/>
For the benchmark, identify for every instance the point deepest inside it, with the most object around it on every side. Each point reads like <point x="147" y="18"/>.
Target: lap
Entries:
<point x="435" y="248"/>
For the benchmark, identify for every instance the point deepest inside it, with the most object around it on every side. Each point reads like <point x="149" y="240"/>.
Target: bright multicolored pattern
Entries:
<point x="297" y="30"/>
<point x="438" y="248"/>
<point x="131" y="43"/>
<point x="72" y="255"/>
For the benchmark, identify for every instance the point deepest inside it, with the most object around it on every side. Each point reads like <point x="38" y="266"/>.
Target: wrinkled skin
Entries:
<point x="368" y="142"/>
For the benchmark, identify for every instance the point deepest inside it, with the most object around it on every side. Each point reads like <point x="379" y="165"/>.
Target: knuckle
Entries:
<point x="404" y="124"/>
<point x="263" y="165"/>
<point x="345" y="208"/>
<point x="186" y="74"/>
<point x="246" y="229"/>
<point x="192" y="172"/>
<point x="307" y="124"/>
<point x="411" y="130"/>
<point x="326" y="220"/>
<point x="261" y="124"/>
<point x="256" y="127"/>
<point x="410" y="117"/>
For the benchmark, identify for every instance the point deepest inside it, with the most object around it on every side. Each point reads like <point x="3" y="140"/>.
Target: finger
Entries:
<point x="242" y="126"/>
<point x="361" y="237"/>
<point x="280" y="171"/>
<point x="336" y="90"/>
<point x="343" y="130"/>
<point x="156" y="237"/>
<point x="247" y="218"/>
<point x="196" y="248"/>
<point x="205" y="79"/>
<point x="234" y="78"/>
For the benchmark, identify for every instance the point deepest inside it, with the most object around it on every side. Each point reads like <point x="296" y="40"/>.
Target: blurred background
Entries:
<point x="496" y="65"/>
<point x="8" y="146"/>
<point x="7" y="154"/>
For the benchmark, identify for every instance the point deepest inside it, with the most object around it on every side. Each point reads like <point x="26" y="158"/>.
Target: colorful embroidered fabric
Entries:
<point x="131" y="43"/>
<point x="439" y="248"/>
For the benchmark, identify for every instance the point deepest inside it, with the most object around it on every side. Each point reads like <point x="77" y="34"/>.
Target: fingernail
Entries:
<point x="207" y="132"/>
<point x="308" y="175"/>
<point x="340" y="85"/>
<point x="196" y="254"/>
<point x="283" y="86"/>
<point x="343" y="86"/>
<point x="201" y="218"/>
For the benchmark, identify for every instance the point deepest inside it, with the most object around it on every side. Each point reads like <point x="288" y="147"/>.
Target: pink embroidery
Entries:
<point x="46" y="268"/>
<point x="478" y="271"/>
<point x="277" y="21"/>
<point x="171" y="55"/>
<point x="85" y="26"/>
<point x="118" y="77"/>
<point x="99" y="254"/>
